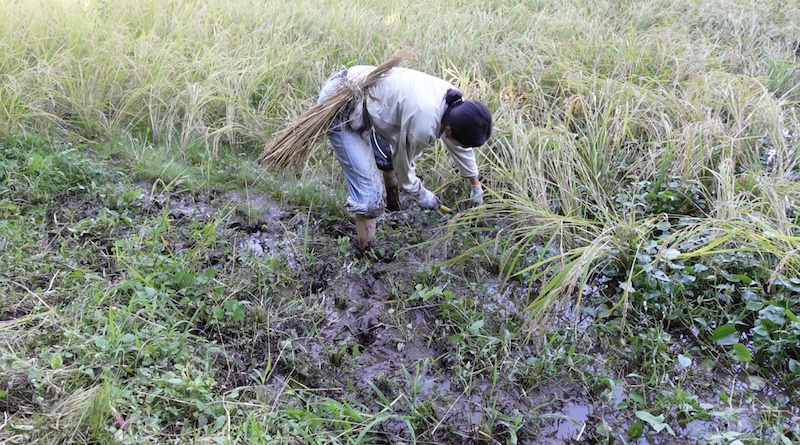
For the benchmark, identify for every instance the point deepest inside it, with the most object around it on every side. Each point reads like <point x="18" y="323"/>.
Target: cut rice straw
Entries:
<point x="291" y="146"/>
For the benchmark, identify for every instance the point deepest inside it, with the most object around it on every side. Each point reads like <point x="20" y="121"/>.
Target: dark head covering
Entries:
<point x="470" y="121"/>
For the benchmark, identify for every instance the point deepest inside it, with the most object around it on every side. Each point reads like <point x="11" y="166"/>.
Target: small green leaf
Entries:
<point x="684" y="361"/>
<point x="356" y="351"/>
<point x="741" y="353"/>
<point x="756" y="383"/>
<point x="744" y="279"/>
<point x="239" y="313"/>
<point x="56" y="361"/>
<point x="626" y="287"/>
<point x="772" y="317"/>
<point x="635" y="430"/>
<point x="725" y="335"/>
<point x="475" y="327"/>
<point x="754" y="305"/>
<point x="218" y="312"/>
<point x="791" y="316"/>
<point x="636" y="397"/>
<point x="791" y="284"/>
<point x="297" y="414"/>
<point x="660" y="275"/>
<point x="101" y="343"/>
<point x="672" y="254"/>
<point x="655" y="422"/>
<point x="127" y="338"/>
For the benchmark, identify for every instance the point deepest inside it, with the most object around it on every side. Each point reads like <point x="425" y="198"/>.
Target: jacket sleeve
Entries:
<point x="404" y="166"/>
<point x="464" y="158"/>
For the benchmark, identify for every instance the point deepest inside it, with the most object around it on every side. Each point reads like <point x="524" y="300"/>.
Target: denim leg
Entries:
<point x="354" y="152"/>
<point x="364" y="180"/>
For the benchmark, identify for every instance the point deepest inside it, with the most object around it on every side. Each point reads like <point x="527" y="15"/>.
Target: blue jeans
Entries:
<point x="356" y="155"/>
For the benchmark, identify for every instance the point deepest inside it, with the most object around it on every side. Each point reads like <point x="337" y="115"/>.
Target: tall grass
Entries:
<point x="178" y="72"/>
<point x="586" y="94"/>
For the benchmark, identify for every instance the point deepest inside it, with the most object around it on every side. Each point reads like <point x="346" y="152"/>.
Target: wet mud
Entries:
<point x="364" y="341"/>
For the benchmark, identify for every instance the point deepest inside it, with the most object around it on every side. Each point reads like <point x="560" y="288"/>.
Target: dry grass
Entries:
<point x="292" y="145"/>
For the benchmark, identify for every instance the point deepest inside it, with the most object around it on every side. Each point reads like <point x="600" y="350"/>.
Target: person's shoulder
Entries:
<point x="361" y="68"/>
<point x="359" y="71"/>
<point x="402" y="71"/>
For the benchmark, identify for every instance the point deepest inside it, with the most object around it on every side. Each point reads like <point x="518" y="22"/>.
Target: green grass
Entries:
<point x="637" y="253"/>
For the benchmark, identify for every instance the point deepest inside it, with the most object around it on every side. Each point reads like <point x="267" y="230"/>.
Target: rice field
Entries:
<point x="631" y="278"/>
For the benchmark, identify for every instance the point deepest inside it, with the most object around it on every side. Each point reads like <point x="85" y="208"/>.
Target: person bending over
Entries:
<point x="379" y="135"/>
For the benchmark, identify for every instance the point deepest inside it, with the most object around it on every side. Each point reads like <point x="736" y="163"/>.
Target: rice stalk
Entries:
<point x="292" y="146"/>
<point x="82" y="414"/>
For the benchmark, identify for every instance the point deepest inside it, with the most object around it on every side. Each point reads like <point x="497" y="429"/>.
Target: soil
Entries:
<point x="370" y="345"/>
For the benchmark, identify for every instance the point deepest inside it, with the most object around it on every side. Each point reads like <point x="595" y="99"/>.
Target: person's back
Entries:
<point x="408" y="111"/>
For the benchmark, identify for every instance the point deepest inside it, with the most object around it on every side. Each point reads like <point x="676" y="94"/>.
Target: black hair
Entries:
<point x="470" y="121"/>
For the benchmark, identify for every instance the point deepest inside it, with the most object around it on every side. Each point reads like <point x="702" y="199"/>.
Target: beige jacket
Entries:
<point x="406" y="109"/>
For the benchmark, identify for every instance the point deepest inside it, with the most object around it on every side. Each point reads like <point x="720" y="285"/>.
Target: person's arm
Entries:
<point x="464" y="158"/>
<point x="405" y="170"/>
<point x="404" y="166"/>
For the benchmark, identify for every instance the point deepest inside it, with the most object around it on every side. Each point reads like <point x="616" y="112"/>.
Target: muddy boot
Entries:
<point x="392" y="191"/>
<point x="365" y="231"/>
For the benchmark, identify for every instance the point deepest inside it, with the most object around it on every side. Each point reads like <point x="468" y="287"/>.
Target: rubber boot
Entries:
<point x="392" y="190"/>
<point x="365" y="231"/>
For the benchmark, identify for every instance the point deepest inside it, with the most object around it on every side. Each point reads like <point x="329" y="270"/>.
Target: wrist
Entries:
<point x="474" y="181"/>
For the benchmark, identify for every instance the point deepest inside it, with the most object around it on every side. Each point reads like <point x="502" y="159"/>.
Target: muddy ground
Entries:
<point x="455" y="362"/>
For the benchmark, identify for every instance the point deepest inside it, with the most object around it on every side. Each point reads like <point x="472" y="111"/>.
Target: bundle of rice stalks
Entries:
<point x="291" y="146"/>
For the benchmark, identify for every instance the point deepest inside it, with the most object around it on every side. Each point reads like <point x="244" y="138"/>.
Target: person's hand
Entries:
<point x="428" y="200"/>
<point x="476" y="195"/>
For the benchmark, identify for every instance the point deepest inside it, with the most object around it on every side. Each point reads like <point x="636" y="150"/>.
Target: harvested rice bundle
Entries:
<point x="291" y="146"/>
